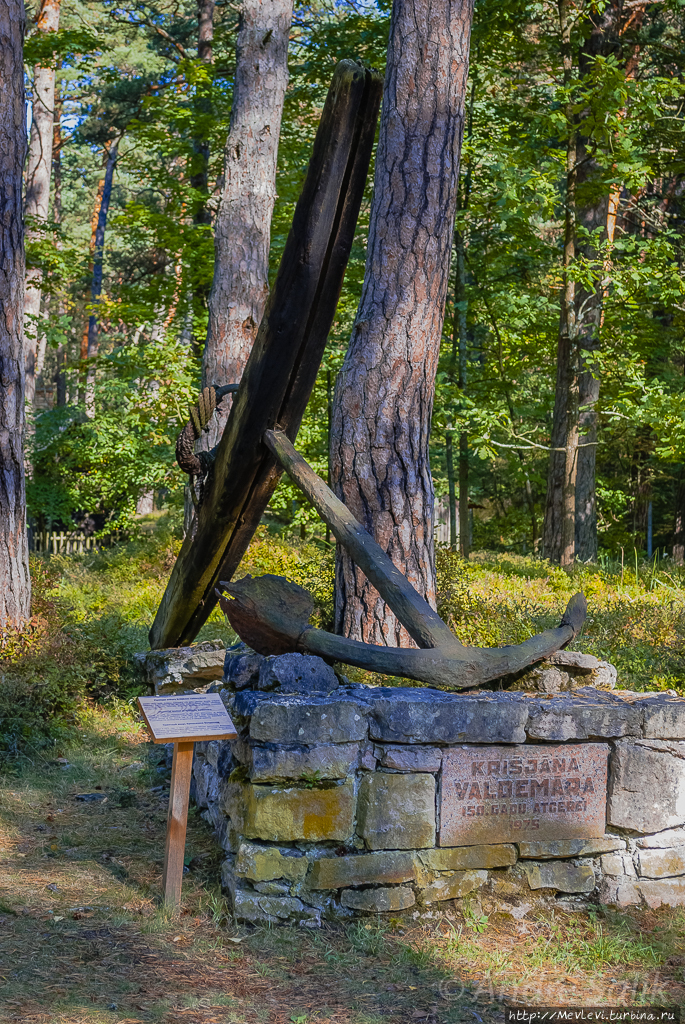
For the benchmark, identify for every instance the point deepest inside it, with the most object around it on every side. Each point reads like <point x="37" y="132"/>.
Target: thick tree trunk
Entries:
<point x="243" y="224"/>
<point x="96" y="284"/>
<point x="15" y="584"/>
<point x="384" y="395"/>
<point x="38" y="185"/>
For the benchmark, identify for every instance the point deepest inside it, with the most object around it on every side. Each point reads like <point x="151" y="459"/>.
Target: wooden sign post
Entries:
<point x="182" y="721"/>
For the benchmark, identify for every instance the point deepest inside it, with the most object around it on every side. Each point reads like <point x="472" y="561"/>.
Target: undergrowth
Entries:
<point x="91" y="613"/>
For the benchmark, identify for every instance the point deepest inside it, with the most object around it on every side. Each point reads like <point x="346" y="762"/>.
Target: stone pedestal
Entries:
<point x="341" y="800"/>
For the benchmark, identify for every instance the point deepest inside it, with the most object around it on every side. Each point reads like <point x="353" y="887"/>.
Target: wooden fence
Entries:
<point x="75" y="542"/>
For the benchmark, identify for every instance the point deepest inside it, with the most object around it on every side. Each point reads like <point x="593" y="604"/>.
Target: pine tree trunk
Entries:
<point x="384" y="394"/>
<point x="200" y="177"/>
<point x="679" y="525"/>
<point x="559" y="539"/>
<point x="15" y="584"/>
<point x="243" y="224"/>
<point x="37" y="201"/>
<point x="96" y="284"/>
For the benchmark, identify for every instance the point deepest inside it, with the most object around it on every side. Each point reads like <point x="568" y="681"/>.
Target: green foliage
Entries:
<point x="102" y="465"/>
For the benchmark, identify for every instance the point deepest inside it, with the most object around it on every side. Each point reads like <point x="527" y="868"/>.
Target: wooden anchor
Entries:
<point x="271" y="614"/>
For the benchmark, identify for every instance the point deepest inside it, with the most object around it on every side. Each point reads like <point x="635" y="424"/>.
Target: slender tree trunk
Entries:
<point x="96" y="284"/>
<point x="449" y="458"/>
<point x="560" y="510"/>
<point x="462" y="357"/>
<point x="200" y="177"/>
<point x="595" y="216"/>
<point x="460" y="334"/>
<point x="243" y="224"/>
<point x="37" y="201"/>
<point x="59" y="378"/>
<point x="384" y="394"/>
<point x="679" y="526"/>
<point x="15" y="583"/>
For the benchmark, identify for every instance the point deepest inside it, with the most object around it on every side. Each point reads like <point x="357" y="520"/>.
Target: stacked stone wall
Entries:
<point x="328" y="803"/>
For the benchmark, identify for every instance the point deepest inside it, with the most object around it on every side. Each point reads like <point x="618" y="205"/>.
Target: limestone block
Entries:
<point x="241" y="667"/>
<point x="557" y="849"/>
<point x="260" y="909"/>
<point x="378" y="901"/>
<point x="663" y="716"/>
<point x="544" y="678"/>
<point x="410" y="759"/>
<point x="584" y="714"/>
<point x="605" y="676"/>
<point x="272" y="888"/>
<point x="579" y="662"/>
<point x="562" y="875"/>
<point x="669" y="837"/>
<point x="264" y="863"/>
<point x="220" y="756"/>
<point x="324" y="761"/>
<point x="670" y="892"/>
<point x="461" y="858"/>
<point x="397" y="812"/>
<point x="361" y="869"/>
<point x="206" y="783"/>
<point x="368" y="760"/>
<point x="247" y="907"/>
<point x="617" y="865"/>
<point x="646" y="785"/>
<point x="281" y="906"/>
<point x="663" y="863"/>
<point x="409" y="715"/>
<point x="453" y="886"/>
<point x="297" y="673"/>
<point x="289" y="719"/>
<point x="280" y="814"/>
<point x="618" y="892"/>
<point x="182" y="669"/>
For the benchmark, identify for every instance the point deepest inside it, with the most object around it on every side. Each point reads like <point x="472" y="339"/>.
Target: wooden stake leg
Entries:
<point x="176" y="824"/>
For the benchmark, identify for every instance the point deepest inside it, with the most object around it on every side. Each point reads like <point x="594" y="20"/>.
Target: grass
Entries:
<point x="84" y="938"/>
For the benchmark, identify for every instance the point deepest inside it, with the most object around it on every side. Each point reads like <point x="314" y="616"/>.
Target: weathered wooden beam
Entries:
<point x="282" y="367"/>
<point x="422" y="623"/>
<point x="272" y="615"/>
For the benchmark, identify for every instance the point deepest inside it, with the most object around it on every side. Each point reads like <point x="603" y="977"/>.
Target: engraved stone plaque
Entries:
<point x="196" y="716"/>
<point x="506" y="794"/>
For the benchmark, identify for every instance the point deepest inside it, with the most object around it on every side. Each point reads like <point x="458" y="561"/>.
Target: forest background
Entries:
<point x="129" y="77"/>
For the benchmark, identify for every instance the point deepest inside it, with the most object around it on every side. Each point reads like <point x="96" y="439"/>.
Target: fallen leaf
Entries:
<point x="56" y="919"/>
<point x="230" y="938"/>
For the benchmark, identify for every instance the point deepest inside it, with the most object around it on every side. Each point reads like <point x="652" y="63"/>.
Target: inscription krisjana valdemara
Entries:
<point x="495" y="793"/>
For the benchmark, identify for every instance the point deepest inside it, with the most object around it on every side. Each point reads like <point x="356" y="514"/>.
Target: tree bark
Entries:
<point x="679" y="524"/>
<point x="37" y="201"/>
<point x="96" y="284"/>
<point x="384" y="394"/>
<point x="559" y="541"/>
<point x="200" y="177"/>
<point x="243" y="225"/>
<point x="15" y="583"/>
<point x="593" y="214"/>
